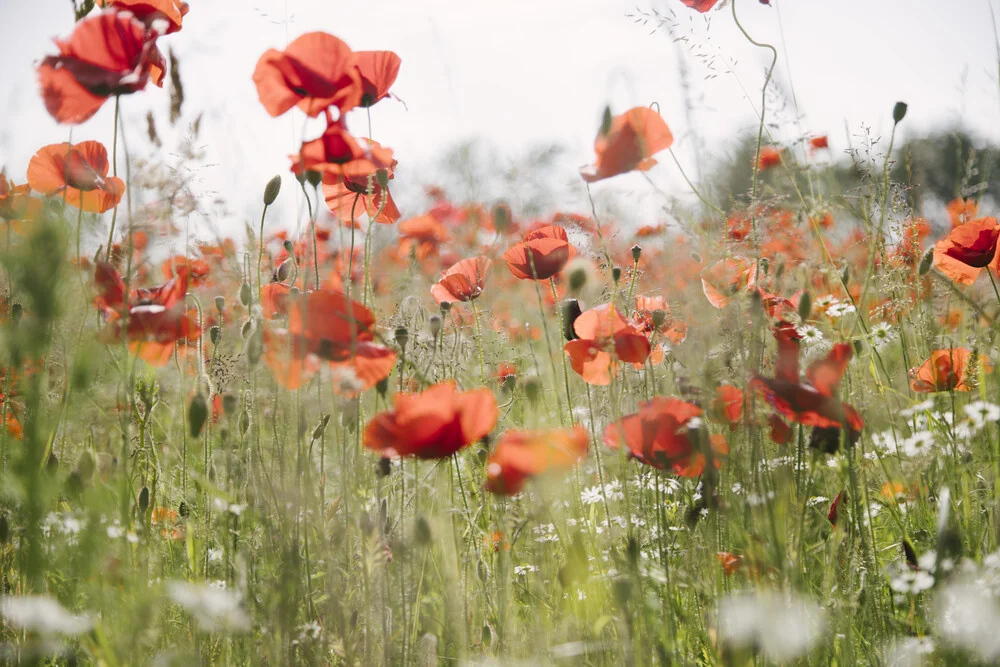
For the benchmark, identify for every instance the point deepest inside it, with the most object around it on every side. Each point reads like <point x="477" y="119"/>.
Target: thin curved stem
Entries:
<point x="114" y="172"/>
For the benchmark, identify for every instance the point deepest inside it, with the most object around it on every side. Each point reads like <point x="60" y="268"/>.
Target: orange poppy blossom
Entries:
<point x="541" y="254"/>
<point x="519" y="455"/>
<point x="378" y="70"/>
<point x="818" y="143"/>
<point x="197" y="270"/>
<point x="109" y="54"/>
<point x="150" y="12"/>
<point x="961" y="211"/>
<point x="812" y="403"/>
<point x="667" y="434"/>
<point x="968" y="249"/>
<point x="274" y="298"/>
<point x="944" y="370"/>
<point x="672" y="329"/>
<point x="422" y="235"/>
<point x="730" y="562"/>
<point x="727" y="278"/>
<point x="315" y="71"/>
<point x="700" y="5"/>
<point x="434" y="423"/>
<point x="769" y="157"/>
<point x="604" y="338"/>
<point x="629" y="144"/>
<point x="324" y="325"/>
<point x="156" y="318"/>
<point x="464" y="281"/>
<point x="78" y="173"/>
<point x="16" y="202"/>
<point x="727" y="406"/>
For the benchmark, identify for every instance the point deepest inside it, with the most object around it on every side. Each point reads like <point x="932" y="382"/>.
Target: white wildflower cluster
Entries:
<point x="43" y="615"/>
<point x="906" y="580"/>
<point x="545" y="532"/>
<point x="221" y="505"/>
<point x="782" y="626"/>
<point x="308" y="632"/>
<point x="595" y="494"/>
<point x="213" y="608"/>
<point x="67" y="524"/>
<point x="907" y="652"/>
<point x="522" y="570"/>
<point x="840" y="309"/>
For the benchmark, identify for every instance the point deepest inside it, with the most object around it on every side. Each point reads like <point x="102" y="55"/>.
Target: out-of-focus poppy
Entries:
<point x="968" y="249"/>
<point x="727" y="406"/>
<point x="628" y="144"/>
<point x="378" y="70"/>
<point x="769" y="157"/>
<point x="315" y="71"/>
<point x="700" y="5"/>
<point x="156" y="318"/>
<point x="422" y="235"/>
<point x="666" y="434"/>
<point x="945" y="370"/>
<point x="150" y="12"/>
<point x="434" y="423"/>
<point x="671" y="328"/>
<point x="730" y="562"/>
<point x="781" y="432"/>
<point x="16" y="202"/>
<point x="108" y="54"/>
<point x="541" y="254"/>
<point x="727" y="278"/>
<point x="605" y="338"/>
<point x="274" y="299"/>
<point x="961" y="211"/>
<point x="818" y="143"/>
<point x="834" y="514"/>
<point x="463" y="281"/>
<point x="197" y="270"/>
<point x="79" y="173"/>
<point x="519" y="455"/>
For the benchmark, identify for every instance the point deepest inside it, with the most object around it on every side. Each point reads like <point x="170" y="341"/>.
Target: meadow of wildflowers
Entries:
<point x="767" y="432"/>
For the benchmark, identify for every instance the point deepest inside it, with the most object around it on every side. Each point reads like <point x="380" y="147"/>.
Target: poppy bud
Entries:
<point x="4" y="529"/>
<point x="220" y="303"/>
<point x="86" y="465"/>
<point x="422" y="531"/>
<point x="606" y="119"/>
<point x="434" y="324"/>
<point x="314" y="178"/>
<point x="246" y="328"/>
<point x="636" y="253"/>
<point x="616" y="274"/>
<point x="288" y="246"/>
<point x="532" y="388"/>
<point x="926" y="262"/>
<point x="765" y="265"/>
<point x="501" y="217"/>
<point x="659" y="317"/>
<point x="197" y="414"/>
<point x="805" y="306"/>
<point x="382" y="386"/>
<point x="898" y="112"/>
<point x="144" y="499"/>
<point x="509" y="381"/>
<point x="696" y="257"/>
<point x="384" y="467"/>
<point x="320" y="427"/>
<point x="255" y="347"/>
<point x="245" y="293"/>
<point x="244" y="422"/>
<point x="445" y="307"/>
<point x="285" y="270"/>
<point x="402" y="337"/>
<point x="570" y="311"/>
<point x="382" y="177"/>
<point x="183" y="509"/>
<point x="215" y="334"/>
<point x="845" y="275"/>
<point x="482" y="571"/>
<point x="229" y="403"/>
<point x="272" y="189"/>
<point x="577" y="279"/>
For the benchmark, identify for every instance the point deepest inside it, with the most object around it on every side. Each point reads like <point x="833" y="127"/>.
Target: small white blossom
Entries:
<point x="42" y="614"/>
<point x="213" y="609"/>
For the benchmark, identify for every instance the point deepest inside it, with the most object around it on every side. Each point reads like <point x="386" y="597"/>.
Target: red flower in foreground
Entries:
<point x="700" y="5"/>
<point x="463" y="281"/>
<point x="434" y="423"/>
<point x="16" y="202"/>
<point x="151" y="11"/>
<point x="769" y="157"/>
<point x="629" y="144"/>
<point x="156" y="318"/>
<point x="519" y="455"/>
<point x="945" y="370"/>
<point x="665" y="434"/>
<point x="968" y="249"/>
<point x="109" y="54"/>
<point x="314" y="72"/>
<point x="542" y="253"/>
<point x="78" y="173"/>
<point x="604" y="338"/>
<point x="812" y="403"/>
<point x="378" y="70"/>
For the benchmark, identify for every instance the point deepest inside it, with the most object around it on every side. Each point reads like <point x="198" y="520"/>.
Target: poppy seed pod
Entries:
<point x="197" y="414"/>
<point x="898" y="112"/>
<point x="636" y="252"/>
<point x="220" y="303"/>
<point x="570" y="311"/>
<point x="144" y="499"/>
<point x="272" y="189"/>
<point x="434" y="324"/>
<point x="659" y="317"/>
<point x="288" y="246"/>
<point x="577" y="279"/>
<point x="532" y="388"/>
<point x="215" y="334"/>
<point x="616" y="274"/>
<point x="696" y="257"/>
<point x="245" y="293"/>
<point x="402" y="337"/>
<point x="384" y="467"/>
<point x="314" y="178"/>
<point x="926" y="262"/>
<point x="445" y="307"/>
<point x="285" y="270"/>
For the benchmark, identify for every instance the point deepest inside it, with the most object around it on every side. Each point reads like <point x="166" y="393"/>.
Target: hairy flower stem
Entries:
<point x="114" y="172"/>
<point x="565" y="366"/>
<point x="479" y="340"/>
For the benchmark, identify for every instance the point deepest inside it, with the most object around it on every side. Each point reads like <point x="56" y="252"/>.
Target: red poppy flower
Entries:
<point x="961" y="211"/>
<point x="629" y="144"/>
<point x="834" y="513"/>
<point x="197" y="270"/>
<point x="109" y="54"/>
<point x="727" y="278"/>
<point x="519" y="455"/>
<point x="769" y="157"/>
<point x="818" y="143"/>
<point x="378" y="70"/>
<point x="16" y="202"/>
<point x="433" y="424"/>
<point x="542" y="254"/>
<point x="79" y="173"/>
<point x="945" y="370"/>
<point x="700" y="5"/>
<point x="672" y="328"/>
<point x="422" y="235"/>
<point x="664" y="434"/>
<point x="730" y="563"/>
<point x="152" y="11"/>
<point x="463" y="281"/>
<point x="350" y="167"/>
<point x="156" y="318"/>
<point x="727" y="406"/>
<point x="274" y="298"/>
<point x="315" y="72"/>
<point x="968" y="249"/>
<point x="605" y="338"/>
<point x="781" y="433"/>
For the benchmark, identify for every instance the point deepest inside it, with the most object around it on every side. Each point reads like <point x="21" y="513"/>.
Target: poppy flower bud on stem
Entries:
<point x="144" y="499"/>
<point x="501" y="217"/>
<point x="659" y="317"/>
<point x="805" y="306"/>
<point x="926" y="262"/>
<point x="616" y="274"/>
<point x="382" y="177"/>
<point x="899" y="112"/>
<point x="434" y="324"/>
<point x="445" y="307"/>
<point x="402" y="337"/>
<point x="220" y="303"/>
<point x="197" y="414"/>
<point x="570" y="311"/>
<point x="272" y="189"/>
<point x="577" y="279"/>
<point x="636" y="253"/>
<point x="314" y="178"/>
<point x="245" y="293"/>
<point x="215" y="334"/>
<point x="285" y="270"/>
<point x="532" y="388"/>
<point x="289" y="247"/>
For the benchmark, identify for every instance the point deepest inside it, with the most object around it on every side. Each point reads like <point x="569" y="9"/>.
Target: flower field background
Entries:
<point x="763" y="429"/>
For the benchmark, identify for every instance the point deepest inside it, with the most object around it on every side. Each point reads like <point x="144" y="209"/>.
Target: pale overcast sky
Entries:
<point x="520" y="72"/>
